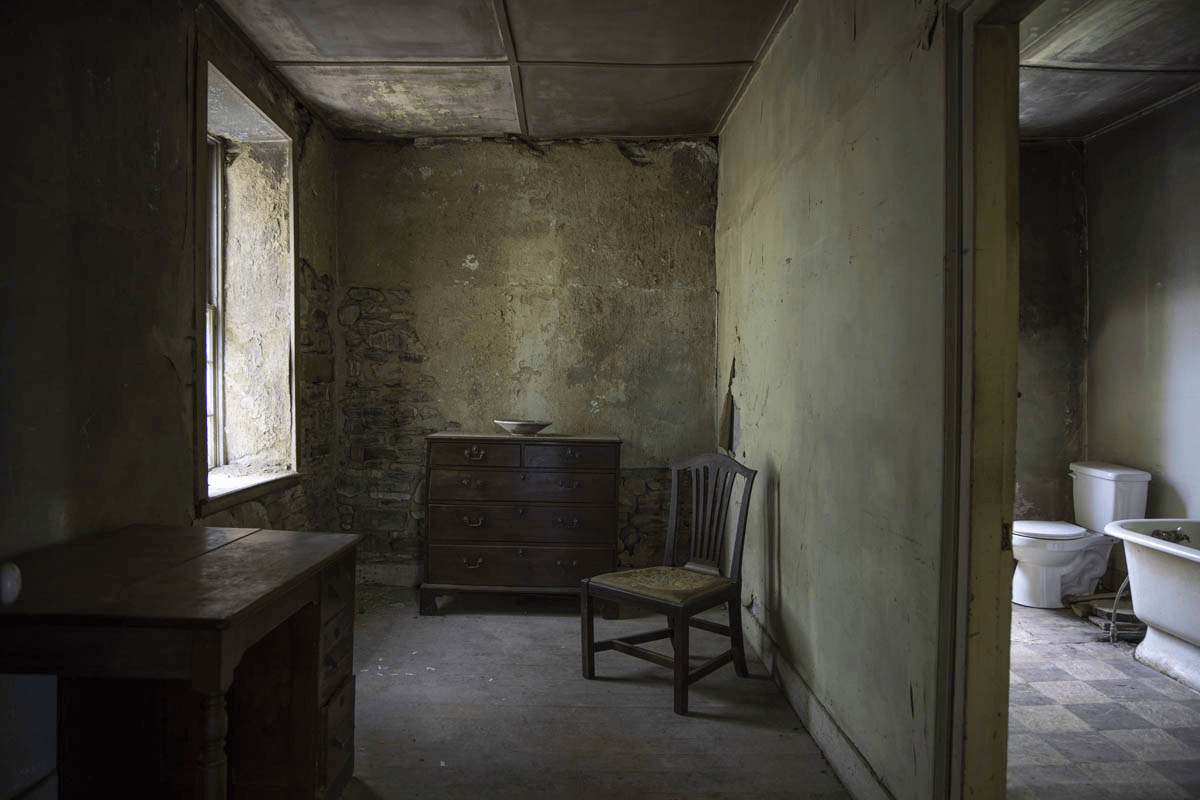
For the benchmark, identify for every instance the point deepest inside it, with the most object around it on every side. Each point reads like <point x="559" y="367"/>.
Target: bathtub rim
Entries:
<point x="1120" y="530"/>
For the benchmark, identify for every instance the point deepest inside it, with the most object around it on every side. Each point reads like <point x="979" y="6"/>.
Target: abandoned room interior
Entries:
<point x="908" y="260"/>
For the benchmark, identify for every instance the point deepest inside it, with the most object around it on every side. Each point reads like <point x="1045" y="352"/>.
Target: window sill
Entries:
<point x="232" y="491"/>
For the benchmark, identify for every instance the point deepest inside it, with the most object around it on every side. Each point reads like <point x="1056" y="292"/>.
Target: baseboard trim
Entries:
<point x="852" y="769"/>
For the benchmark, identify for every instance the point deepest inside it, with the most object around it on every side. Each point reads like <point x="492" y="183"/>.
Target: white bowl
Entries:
<point x="521" y="427"/>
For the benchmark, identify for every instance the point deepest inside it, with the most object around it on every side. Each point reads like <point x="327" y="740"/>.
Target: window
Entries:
<point x="249" y="304"/>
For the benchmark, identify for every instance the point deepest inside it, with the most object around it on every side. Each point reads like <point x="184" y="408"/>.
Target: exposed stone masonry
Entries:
<point x="316" y="410"/>
<point x="644" y="498"/>
<point x="388" y="409"/>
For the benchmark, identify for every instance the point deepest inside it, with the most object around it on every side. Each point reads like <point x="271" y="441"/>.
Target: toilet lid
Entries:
<point x="1038" y="529"/>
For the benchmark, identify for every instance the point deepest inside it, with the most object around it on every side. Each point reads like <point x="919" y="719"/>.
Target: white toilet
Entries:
<point x="1055" y="559"/>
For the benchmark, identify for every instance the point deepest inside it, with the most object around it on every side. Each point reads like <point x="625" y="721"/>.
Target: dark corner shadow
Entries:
<point x="357" y="790"/>
<point x="483" y="604"/>
<point x="747" y="718"/>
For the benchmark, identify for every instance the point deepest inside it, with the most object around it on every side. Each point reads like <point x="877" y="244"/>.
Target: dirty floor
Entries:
<point x="486" y="699"/>
<point x="1088" y="721"/>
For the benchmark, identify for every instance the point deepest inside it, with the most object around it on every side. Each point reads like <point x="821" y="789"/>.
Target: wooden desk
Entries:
<point x="164" y="636"/>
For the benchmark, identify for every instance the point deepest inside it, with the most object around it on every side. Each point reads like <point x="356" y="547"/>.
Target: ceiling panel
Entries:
<point x="572" y="101"/>
<point x="1147" y="34"/>
<point x="1073" y="104"/>
<point x="632" y="68"/>
<point x="399" y="100"/>
<point x="637" y="32"/>
<point x="371" y="30"/>
<point x="1087" y="65"/>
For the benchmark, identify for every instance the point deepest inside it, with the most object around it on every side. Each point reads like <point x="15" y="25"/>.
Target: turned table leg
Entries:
<point x="214" y="766"/>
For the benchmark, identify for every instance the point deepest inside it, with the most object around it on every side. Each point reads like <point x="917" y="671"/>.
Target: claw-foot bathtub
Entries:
<point x="1164" y="577"/>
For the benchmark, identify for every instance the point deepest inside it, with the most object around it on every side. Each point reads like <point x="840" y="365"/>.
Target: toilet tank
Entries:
<point x="1107" y="492"/>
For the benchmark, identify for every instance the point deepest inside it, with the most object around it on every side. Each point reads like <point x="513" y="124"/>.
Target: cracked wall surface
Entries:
<point x="830" y="271"/>
<point x="487" y="280"/>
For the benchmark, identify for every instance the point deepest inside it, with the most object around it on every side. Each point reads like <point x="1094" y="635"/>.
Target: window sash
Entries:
<point x="214" y="325"/>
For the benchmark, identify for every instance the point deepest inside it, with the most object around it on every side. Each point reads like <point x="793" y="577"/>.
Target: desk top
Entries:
<point x="166" y="576"/>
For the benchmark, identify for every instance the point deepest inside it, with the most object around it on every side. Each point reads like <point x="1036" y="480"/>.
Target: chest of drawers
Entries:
<point x="531" y="514"/>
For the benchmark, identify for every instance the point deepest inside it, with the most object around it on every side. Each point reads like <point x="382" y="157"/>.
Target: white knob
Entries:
<point x="10" y="583"/>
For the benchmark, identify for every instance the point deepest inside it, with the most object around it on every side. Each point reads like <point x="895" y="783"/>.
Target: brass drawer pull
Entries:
<point x="473" y="523"/>
<point x="563" y="522"/>
<point x="478" y="563"/>
<point x="568" y="484"/>
<point x="563" y="563"/>
<point x="570" y="454"/>
<point x="475" y="453"/>
<point x="479" y="484"/>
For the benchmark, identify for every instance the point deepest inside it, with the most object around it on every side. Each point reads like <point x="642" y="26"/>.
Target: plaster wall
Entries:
<point x="1143" y="187"/>
<point x="98" y="336"/>
<point x="1052" y="344"/>
<point x="258" y="304"/>
<point x="482" y="280"/>
<point x="830" y="274"/>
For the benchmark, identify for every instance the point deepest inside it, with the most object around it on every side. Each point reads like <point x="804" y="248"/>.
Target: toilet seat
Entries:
<point x="1054" y="531"/>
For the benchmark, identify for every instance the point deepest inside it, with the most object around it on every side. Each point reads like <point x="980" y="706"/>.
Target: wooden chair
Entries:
<point x="682" y="592"/>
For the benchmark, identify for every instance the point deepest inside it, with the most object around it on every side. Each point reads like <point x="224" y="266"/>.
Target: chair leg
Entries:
<point x="679" y="640"/>
<point x="735" y="639"/>
<point x="587" y="621"/>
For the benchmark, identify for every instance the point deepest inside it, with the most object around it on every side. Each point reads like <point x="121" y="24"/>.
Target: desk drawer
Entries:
<point x="513" y="565"/>
<point x="531" y="524"/>
<point x="571" y="456"/>
<point x="336" y="751"/>
<point x="475" y="454"/>
<point x="337" y="651"/>
<point x="523" y="485"/>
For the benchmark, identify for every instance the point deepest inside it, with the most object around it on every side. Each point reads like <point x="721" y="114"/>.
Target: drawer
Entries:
<point x="336" y="750"/>
<point x="475" y="454"/>
<point x="512" y="565"/>
<point x="571" y="456"/>
<point x="522" y="485"/>
<point x="532" y="524"/>
<point x="337" y="650"/>
<point x="337" y="589"/>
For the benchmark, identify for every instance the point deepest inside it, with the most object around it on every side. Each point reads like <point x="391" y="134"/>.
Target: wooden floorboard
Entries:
<point x="486" y="699"/>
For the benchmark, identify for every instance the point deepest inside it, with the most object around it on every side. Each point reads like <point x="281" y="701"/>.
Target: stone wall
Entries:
<point x="388" y="408"/>
<point x="482" y="280"/>
<point x="645" y="496"/>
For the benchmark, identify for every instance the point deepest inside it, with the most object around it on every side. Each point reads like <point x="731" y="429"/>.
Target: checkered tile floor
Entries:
<point x="1088" y="721"/>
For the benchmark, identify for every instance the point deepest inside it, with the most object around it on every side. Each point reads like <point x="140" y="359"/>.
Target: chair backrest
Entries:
<point x="712" y="482"/>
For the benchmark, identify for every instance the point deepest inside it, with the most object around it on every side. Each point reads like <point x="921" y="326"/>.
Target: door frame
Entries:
<point x="982" y="271"/>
